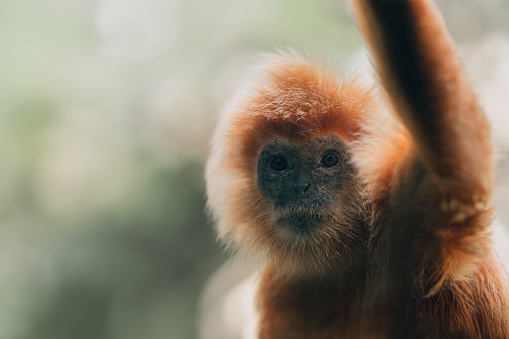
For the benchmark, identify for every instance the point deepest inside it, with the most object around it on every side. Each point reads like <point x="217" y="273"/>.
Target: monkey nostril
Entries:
<point x="301" y="187"/>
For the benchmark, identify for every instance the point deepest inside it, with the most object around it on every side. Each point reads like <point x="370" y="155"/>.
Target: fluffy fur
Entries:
<point x="407" y="253"/>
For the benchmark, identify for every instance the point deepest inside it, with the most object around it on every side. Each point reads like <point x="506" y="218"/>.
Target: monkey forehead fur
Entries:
<point x="299" y="100"/>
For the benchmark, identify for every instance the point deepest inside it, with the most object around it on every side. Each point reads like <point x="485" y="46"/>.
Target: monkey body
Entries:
<point x="385" y="297"/>
<point x="371" y="215"/>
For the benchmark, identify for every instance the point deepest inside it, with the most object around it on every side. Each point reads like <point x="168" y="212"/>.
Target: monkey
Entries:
<point x="369" y="209"/>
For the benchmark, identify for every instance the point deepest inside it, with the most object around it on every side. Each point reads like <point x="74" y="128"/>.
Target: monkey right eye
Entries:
<point x="279" y="164"/>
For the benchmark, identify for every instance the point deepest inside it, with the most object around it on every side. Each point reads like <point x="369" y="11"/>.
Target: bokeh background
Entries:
<point x="106" y="111"/>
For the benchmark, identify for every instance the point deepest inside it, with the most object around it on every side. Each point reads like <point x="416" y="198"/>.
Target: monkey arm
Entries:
<point x="423" y="77"/>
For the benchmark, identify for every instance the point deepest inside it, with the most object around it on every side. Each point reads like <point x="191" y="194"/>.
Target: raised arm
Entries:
<point x="423" y="76"/>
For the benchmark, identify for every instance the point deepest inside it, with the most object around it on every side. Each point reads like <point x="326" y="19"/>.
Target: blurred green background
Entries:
<point x="106" y="111"/>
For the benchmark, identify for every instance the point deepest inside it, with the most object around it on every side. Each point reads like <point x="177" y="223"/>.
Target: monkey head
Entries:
<point x="282" y="181"/>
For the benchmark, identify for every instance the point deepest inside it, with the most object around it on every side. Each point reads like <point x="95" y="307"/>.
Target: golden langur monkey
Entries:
<point x="370" y="213"/>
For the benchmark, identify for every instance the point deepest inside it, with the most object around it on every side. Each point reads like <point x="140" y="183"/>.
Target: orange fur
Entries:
<point x="407" y="253"/>
<point x="297" y="100"/>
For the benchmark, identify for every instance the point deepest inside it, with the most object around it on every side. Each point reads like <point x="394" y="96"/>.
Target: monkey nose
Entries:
<point x="301" y="187"/>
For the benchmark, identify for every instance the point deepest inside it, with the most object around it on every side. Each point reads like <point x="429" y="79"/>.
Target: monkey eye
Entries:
<point x="329" y="160"/>
<point x="279" y="164"/>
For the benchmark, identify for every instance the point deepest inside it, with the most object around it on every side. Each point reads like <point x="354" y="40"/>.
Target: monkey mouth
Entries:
<point x="302" y="221"/>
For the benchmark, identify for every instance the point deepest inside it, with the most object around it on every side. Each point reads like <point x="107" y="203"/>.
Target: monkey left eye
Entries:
<point x="329" y="160"/>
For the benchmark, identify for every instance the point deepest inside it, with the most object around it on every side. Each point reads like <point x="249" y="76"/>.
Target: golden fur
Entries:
<point x="408" y="253"/>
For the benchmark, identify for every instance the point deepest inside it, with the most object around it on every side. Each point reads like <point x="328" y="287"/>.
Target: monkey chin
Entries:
<point x="302" y="223"/>
<point x="314" y="246"/>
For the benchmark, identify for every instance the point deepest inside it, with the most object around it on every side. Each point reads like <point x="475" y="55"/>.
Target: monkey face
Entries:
<point x="311" y="192"/>
<point x="303" y="182"/>
<point x="283" y="180"/>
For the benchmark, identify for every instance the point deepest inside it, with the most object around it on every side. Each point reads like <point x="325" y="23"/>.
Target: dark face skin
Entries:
<point x="301" y="181"/>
